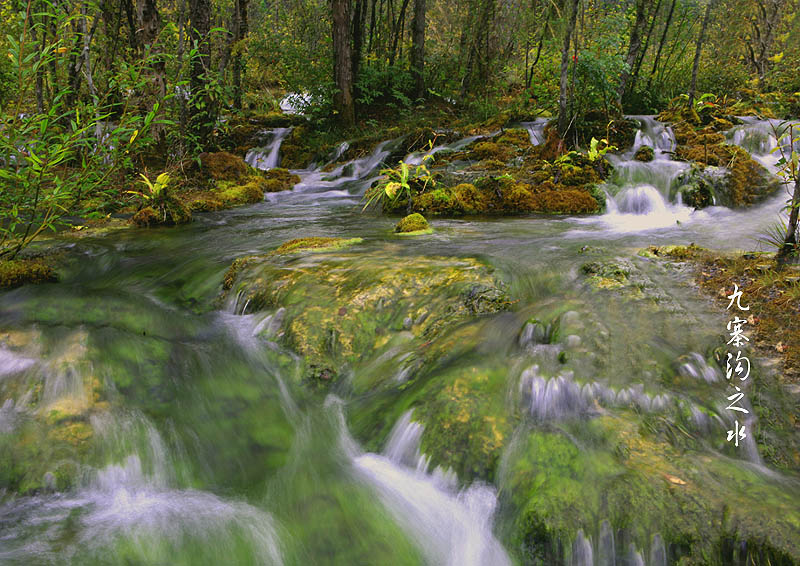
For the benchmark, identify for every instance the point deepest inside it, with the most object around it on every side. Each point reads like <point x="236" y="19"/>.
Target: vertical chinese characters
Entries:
<point x="737" y="367"/>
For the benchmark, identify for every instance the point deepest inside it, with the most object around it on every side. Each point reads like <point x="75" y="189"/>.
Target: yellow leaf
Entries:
<point x="674" y="479"/>
<point x="391" y="189"/>
<point x="133" y="136"/>
<point x="776" y="58"/>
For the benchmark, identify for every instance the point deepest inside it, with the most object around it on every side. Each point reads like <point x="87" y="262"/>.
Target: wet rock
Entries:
<point x="338" y="307"/>
<point x="16" y="272"/>
<point x="413" y="224"/>
<point x="644" y="153"/>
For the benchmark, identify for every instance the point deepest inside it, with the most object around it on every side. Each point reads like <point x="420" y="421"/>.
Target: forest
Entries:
<point x="389" y="282"/>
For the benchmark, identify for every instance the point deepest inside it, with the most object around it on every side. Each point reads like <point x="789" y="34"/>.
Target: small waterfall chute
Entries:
<point x="536" y="130"/>
<point x="268" y="156"/>
<point x="453" y="527"/>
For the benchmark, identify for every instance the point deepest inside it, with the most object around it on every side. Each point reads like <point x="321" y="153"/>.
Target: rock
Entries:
<point x="16" y="272"/>
<point x="337" y="306"/>
<point x="224" y="166"/>
<point x="413" y="224"/>
<point x="644" y="153"/>
<point x="279" y="179"/>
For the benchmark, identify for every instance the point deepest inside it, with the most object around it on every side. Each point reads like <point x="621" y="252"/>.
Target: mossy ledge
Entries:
<point x="17" y="272"/>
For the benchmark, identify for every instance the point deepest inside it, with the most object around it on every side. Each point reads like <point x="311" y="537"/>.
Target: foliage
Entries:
<point x="401" y="184"/>
<point x="55" y="157"/>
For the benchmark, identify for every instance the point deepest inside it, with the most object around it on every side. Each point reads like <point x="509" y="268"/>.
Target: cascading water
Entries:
<point x="536" y="130"/>
<point x="210" y="446"/>
<point x="453" y="527"/>
<point x="268" y="156"/>
<point x="644" y="189"/>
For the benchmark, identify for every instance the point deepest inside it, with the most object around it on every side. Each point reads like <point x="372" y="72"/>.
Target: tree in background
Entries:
<point x="342" y="62"/>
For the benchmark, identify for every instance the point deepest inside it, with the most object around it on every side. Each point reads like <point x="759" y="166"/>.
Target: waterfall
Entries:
<point x="417" y="157"/>
<point x="640" y="194"/>
<point x="582" y="551"/>
<point x="452" y="527"/>
<point x="536" y="130"/>
<point x="268" y="156"/>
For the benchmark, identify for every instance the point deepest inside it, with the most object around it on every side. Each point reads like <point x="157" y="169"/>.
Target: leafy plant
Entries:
<point x="156" y="192"/>
<point x="597" y="151"/>
<point x="402" y="182"/>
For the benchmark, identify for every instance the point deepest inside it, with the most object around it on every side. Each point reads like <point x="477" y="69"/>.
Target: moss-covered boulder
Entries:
<point x="746" y="182"/>
<point x="413" y="224"/>
<point x="223" y="166"/>
<point x="644" y="154"/>
<point x="16" y="272"/>
<point x="166" y="213"/>
<point x="343" y="306"/>
<point x="50" y="431"/>
<point x="279" y="179"/>
<point x="706" y="509"/>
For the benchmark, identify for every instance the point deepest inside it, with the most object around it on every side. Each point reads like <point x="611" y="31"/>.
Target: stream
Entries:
<point x="207" y="449"/>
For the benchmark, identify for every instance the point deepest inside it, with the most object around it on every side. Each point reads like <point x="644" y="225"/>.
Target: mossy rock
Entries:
<point x="224" y="166"/>
<point x="279" y="179"/>
<point x="642" y="486"/>
<point x="413" y="224"/>
<point x="249" y="193"/>
<point x="296" y="150"/>
<point x="16" y="272"/>
<point x="515" y="137"/>
<point x="483" y="150"/>
<point x="169" y="213"/>
<point x="644" y="154"/>
<point x="746" y="183"/>
<point x="342" y="307"/>
<point x="315" y="244"/>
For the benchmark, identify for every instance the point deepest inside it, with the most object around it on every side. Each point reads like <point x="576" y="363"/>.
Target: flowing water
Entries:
<point x="207" y="450"/>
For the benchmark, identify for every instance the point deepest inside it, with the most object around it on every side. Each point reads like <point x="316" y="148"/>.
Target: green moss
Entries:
<point x="224" y="166"/>
<point x="490" y="150"/>
<point x="167" y="213"/>
<point x="343" y="308"/>
<point x="16" y="272"/>
<point x="249" y="193"/>
<point x="413" y="223"/>
<point x="315" y="244"/>
<point x="278" y="179"/>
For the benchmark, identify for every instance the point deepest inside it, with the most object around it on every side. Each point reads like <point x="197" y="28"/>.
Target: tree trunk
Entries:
<point x="790" y="240"/>
<point x="149" y="26"/>
<point x="643" y="51"/>
<point x="418" y="49"/>
<point x="242" y="28"/>
<point x="698" y="50"/>
<point x="563" y="118"/>
<point x="634" y="46"/>
<point x="342" y="61"/>
<point x="201" y="113"/>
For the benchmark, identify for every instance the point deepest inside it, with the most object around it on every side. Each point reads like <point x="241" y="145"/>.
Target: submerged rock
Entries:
<point x="343" y="307"/>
